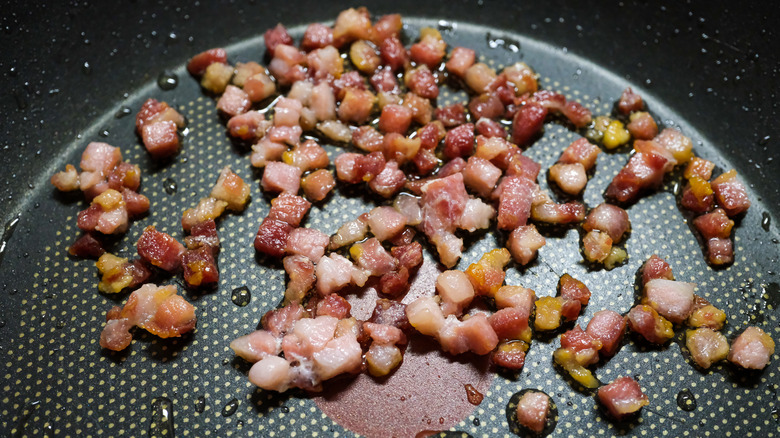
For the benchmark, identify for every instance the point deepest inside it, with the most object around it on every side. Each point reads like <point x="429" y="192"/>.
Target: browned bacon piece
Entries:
<point x="157" y="124"/>
<point x="106" y="214"/>
<point x="731" y="193"/>
<point x="643" y="172"/>
<point x="715" y="228"/>
<point x="203" y="234"/>
<point x="318" y="184"/>
<point x="300" y="272"/>
<point x="644" y="320"/>
<point x="706" y="346"/>
<point x="630" y="102"/>
<point x="527" y="123"/>
<point x="622" y="397"/>
<point x="200" y="267"/>
<point x="118" y="273"/>
<point x="461" y="58"/>
<point x="572" y="289"/>
<point x="87" y="246"/>
<point x="656" y="267"/>
<point x="157" y="309"/>
<point x="231" y="189"/>
<point x="198" y="63"/>
<point x="609" y="219"/>
<point x="160" y="249"/>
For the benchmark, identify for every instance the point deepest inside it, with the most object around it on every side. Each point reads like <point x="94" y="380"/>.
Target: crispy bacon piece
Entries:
<point x="119" y="274"/>
<point x="608" y="327"/>
<point x="622" y="397"/>
<point x="697" y="195"/>
<point x="644" y="320"/>
<point x="461" y="58"/>
<point x="753" y="349"/>
<point x="272" y="237"/>
<point x="572" y="289"/>
<point x="199" y="267"/>
<point x="573" y="361"/>
<point x="355" y="168"/>
<point x="160" y="249"/>
<point x="487" y="274"/>
<point x="231" y="189"/>
<point x="425" y="315"/>
<point x="216" y="77"/>
<point x="548" y="313"/>
<point x="533" y="408"/>
<point x="510" y="355"/>
<point x="528" y="122"/>
<point x="318" y="184"/>
<point x="107" y="214"/>
<point x="699" y="167"/>
<point x="656" y="267"/>
<point x="203" y="234"/>
<point x="87" y="246"/>
<point x="609" y="219"/>
<point x="706" y="315"/>
<point x="198" y="63"/>
<point x="66" y="181"/>
<point x="157" y="309"/>
<point x="644" y="171"/>
<point x="642" y="126"/>
<point x="207" y="209"/>
<point x="706" y="346"/>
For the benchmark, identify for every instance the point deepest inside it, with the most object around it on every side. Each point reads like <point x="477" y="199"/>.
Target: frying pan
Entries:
<point x="72" y="71"/>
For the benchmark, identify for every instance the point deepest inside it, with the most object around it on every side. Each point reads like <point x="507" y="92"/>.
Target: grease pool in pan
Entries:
<point x="80" y="390"/>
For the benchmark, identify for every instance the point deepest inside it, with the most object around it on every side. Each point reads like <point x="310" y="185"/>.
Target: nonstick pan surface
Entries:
<point x="57" y="381"/>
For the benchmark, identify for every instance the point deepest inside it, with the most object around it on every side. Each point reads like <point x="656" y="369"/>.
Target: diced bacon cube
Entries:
<point x="656" y="267"/>
<point x="316" y="36"/>
<point x="216" y="77"/>
<point x="706" y="315"/>
<point x="522" y="77"/>
<point x="389" y="181"/>
<point x="680" y="146"/>
<point x="325" y="63"/>
<point x="300" y="270"/>
<point x="289" y="208"/>
<point x="368" y="139"/>
<point x="198" y="63"/>
<point x="271" y="238"/>
<point x="644" y="320"/>
<point x="490" y="128"/>
<point x="584" y="346"/>
<point x="231" y="189"/>
<point x="460" y="60"/>
<point x="372" y="257"/>
<point x="608" y="327"/>
<point x="271" y="373"/>
<point x="160" y="249"/>
<point x="451" y="115"/>
<point x="203" y="234"/>
<point x="340" y="355"/>
<point x="671" y="299"/>
<point x="753" y="349"/>
<point x="425" y="315"/>
<point x="642" y="126"/>
<point x="244" y="71"/>
<point x="697" y="196"/>
<point x="66" y="181"/>
<point x="281" y="177"/>
<point x="287" y="111"/>
<point x="533" y="408"/>
<point x="515" y="202"/>
<point x="318" y="184"/>
<point x="160" y="139"/>
<point x="622" y="397"/>
<point x="443" y="203"/>
<point x="548" y="313"/>
<point x="570" y="178"/>
<point x="199" y="267"/>
<point x="290" y="135"/>
<point x="356" y="105"/>
<point x="335" y="306"/>
<point x="644" y="171"/>
<point x="596" y="246"/>
<point x="486" y="106"/>
<point x="511" y="323"/>
<point x="580" y="151"/>
<point x="393" y="53"/>
<point x="349" y="233"/>
<point x="706" y="346"/>
<point x="351" y="24"/>
<point x="476" y="216"/>
<point x="430" y="50"/>
<point x="255" y="346"/>
<point x="307" y="242"/>
<point x="478" y="77"/>
<point x="630" y="102"/>
<point x="576" y="113"/>
<point x="399" y="148"/>
<point x="481" y="175"/>
<point x="455" y="290"/>
<point x="731" y="193"/>
<point x="385" y="222"/>
<point x="387" y="26"/>
<point x="459" y="142"/>
<point x="527" y="123"/>
<point x="699" y="167"/>
<point x="307" y="156"/>
<point x="409" y="206"/>
<point x="573" y="289"/>
<point x="510" y="355"/>
<point x="207" y="209"/>
<point x="266" y="151"/>
<point x="474" y="333"/>
<point x="421" y="82"/>
<point x="609" y="219"/>
<point x="333" y="273"/>
<point x="259" y="87"/>
<point x="135" y="203"/>
<point x="234" y="101"/>
<point x="275" y="36"/>
<point x="87" y="246"/>
<point x="395" y="118"/>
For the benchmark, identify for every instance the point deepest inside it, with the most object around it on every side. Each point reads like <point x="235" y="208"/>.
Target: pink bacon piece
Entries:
<point x="753" y="349"/>
<point x="609" y="327"/>
<point x="160" y="249"/>
<point x="622" y="397"/>
<point x="533" y="408"/>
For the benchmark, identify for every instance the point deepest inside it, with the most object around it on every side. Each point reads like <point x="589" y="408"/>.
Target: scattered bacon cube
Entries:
<point x="731" y="193"/>
<point x="706" y="346"/>
<point x="160" y="249"/>
<point x="630" y="102"/>
<point x="275" y="36"/>
<point x="119" y="274"/>
<point x="87" y="246"/>
<point x="533" y="408"/>
<point x="281" y="177"/>
<point x="706" y="315"/>
<point x="198" y="63"/>
<point x="510" y="355"/>
<point x="753" y="349"/>
<point x="161" y="139"/>
<point x="644" y="320"/>
<point x="231" y="189"/>
<point x="609" y="327"/>
<point x="207" y="209"/>
<point x="487" y="274"/>
<point x="271" y="238"/>
<point x="516" y="197"/>
<point x="524" y="243"/>
<point x="199" y="267"/>
<point x="481" y="175"/>
<point x="622" y="397"/>
<point x="234" y="101"/>
<point x="318" y="184"/>
<point x="528" y="122"/>
<point x="300" y="271"/>
<point x="642" y="126"/>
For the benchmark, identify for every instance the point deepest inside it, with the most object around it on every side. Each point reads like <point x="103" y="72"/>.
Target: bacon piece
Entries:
<point x="642" y="126"/>
<point x="680" y="146"/>
<point x="706" y="346"/>
<point x="644" y="320"/>
<point x="118" y="273"/>
<point x="333" y="273"/>
<point x="385" y="222"/>
<point x="731" y="193"/>
<point x="87" y="246"/>
<point x="364" y="56"/>
<point x="66" y="181"/>
<point x="367" y="139"/>
<point x="643" y="172"/>
<point x="135" y="204"/>
<point x="272" y="236"/>
<point x="318" y="184"/>
<point x="697" y="195"/>
<point x="656" y="267"/>
<point x="473" y="334"/>
<point x="409" y="207"/>
<point x="671" y="299"/>
<point x="487" y="106"/>
<point x="570" y="178"/>
<point x="281" y="177"/>
<point x="290" y="135"/>
<point x="528" y="122"/>
<point x="515" y="202"/>
<point x="389" y="181"/>
<point x="515" y="296"/>
<point x="256" y="346"/>
<point x="349" y="233"/>
<point x="584" y="346"/>
<point x="522" y="77"/>
<point x="576" y="113"/>
<point x="572" y="289"/>
<point x="706" y="315"/>
<point x="335" y="306"/>
<point x="455" y="290"/>
<point x="307" y="156"/>
<point x="548" y="313"/>
<point x="609" y="219"/>
<point x="395" y="118"/>
<point x="715" y="228"/>
<point x="481" y="175"/>
<point x="622" y="397"/>
<point x="451" y="115"/>
<point x="316" y="36"/>
<point x="198" y="63"/>
<point x="382" y="359"/>
<point x="231" y="189"/>
<point x="461" y="58"/>
<point x="372" y="257"/>
<point x="699" y="167"/>
<point x="430" y="50"/>
<point x="244" y="71"/>
<point x="289" y="208"/>
<point x="568" y="359"/>
<point x="510" y="355"/>
<point x="521" y="165"/>
<point x="207" y="209"/>
<point x="421" y="82"/>
<point x="511" y="323"/>
<point x="425" y="315"/>
<point x="266" y="151"/>
<point x="422" y="112"/>
<point x="271" y="373"/>
<point x="351" y="24"/>
<point x="107" y="214"/>
<point x="200" y="268"/>
<point x="234" y="101"/>
<point x="580" y="151"/>
<point x="160" y="139"/>
<point x="387" y="26"/>
<point x="160" y="249"/>
<point x="308" y="242"/>
<point x="356" y="105"/>
<point x="286" y="64"/>
<point x="487" y="275"/>
<point x="275" y="36"/>
<point x="216" y="77"/>
<point x="490" y="128"/>
<point x="300" y="271"/>
<point x="478" y="77"/>
<point x="158" y="310"/>
<point x="393" y="53"/>
<point x="203" y="234"/>
<point x="281" y="321"/>
<point x="259" y="87"/>
<point x="533" y="408"/>
<point x="753" y="349"/>
<point x="443" y="202"/>
<point x="476" y="216"/>
<point x="630" y="102"/>
<point x="125" y="176"/>
<point x="608" y="327"/>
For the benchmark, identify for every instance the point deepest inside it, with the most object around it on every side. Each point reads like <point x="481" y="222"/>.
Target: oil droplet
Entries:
<point x="2" y="324"/>
<point x="285" y="409"/>
<point x="771" y="293"/>
<point x="167" y="80"/>
<point x="169" y="185"/>
<point x="686" y="400"/>
<point x="476" y="422"/>
<point x="200" y="404"/>
<point x="241" y="296"/>
<point x="240" y="424"/>
<point x="775" y="414"/>
<point x="60" y="325"/>
<point x="447" y="26"/>
<point x="766" y="220"/>
<point x="475" y="397"/>
<point x="104" y="133"/>
<point x="123" y="112"/>
<point x="10" y="226"/>
<point x="230" y="408"/>
<point x="162" y="418"/>
<point x="86" y="68"/>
